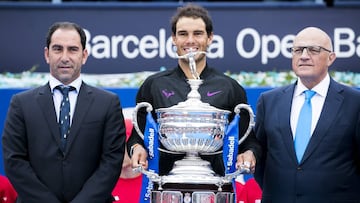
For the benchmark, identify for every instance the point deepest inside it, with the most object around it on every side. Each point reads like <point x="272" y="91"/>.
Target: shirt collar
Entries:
<point x="320" y="89"/>
<point x="202" y="75"/>
<point x="53" y="82"/>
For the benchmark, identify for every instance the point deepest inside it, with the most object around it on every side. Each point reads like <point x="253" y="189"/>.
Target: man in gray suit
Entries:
<point x="80" y="164"/>
<point x="325" y="167"/>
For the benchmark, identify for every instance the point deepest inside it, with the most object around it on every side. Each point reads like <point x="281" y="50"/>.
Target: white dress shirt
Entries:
<point x="57" y="95"/>
<point x="317" y="102"/>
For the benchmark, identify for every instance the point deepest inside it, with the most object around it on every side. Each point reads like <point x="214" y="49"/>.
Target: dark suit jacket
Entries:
<point x="89" y="168"/>
<point x="329" y="170"/>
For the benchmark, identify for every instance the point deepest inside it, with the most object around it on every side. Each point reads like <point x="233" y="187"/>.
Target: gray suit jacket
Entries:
<point x="330" y="168"/>
<point x="89" y="168"/>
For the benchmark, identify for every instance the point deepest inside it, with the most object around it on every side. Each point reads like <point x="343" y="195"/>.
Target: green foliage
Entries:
<point x="132" y="80"/>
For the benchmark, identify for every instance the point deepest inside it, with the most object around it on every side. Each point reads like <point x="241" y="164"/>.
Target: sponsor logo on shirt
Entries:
<point x="210" y="94"/>
<point x="167" y="93"/>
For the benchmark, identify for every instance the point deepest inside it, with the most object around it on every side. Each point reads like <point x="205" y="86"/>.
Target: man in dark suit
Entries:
<point x="327" y="169"/>
<point x="84" y="162"/>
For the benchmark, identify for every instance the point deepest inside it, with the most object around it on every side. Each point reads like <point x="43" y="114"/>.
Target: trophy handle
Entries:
<point x="241" y="170"/>
<point x="237" y="110"/>
<point x="149" y="108"/>
<point x="247" y="107"/>
<point x="154" y="177"/>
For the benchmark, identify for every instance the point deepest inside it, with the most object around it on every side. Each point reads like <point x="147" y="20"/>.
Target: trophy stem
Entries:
<point x="193" y="97"/>
<point x="192" y="164"/>
<point x="194" y="86"/>
<point x="192" y="155"/>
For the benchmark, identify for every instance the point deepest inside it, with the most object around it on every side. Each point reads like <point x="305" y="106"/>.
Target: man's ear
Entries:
<point x="46" y="55"/>
<point x="331" y="59"/>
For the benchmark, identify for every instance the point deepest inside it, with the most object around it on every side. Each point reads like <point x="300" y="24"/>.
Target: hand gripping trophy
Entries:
<point x="193" y="127"/>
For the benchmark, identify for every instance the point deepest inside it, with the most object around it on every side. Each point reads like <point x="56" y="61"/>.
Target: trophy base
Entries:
<point x="193" y="170"/>
<point x="192" y="181"/>
<point x="192" y="193"/>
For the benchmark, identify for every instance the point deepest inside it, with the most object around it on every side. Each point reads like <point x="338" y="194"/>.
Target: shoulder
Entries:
<point x="97" y="91"/>
<point x="287" y="89"/>
<point x="31" y="92"/>
<point x="159" y="75"/>
<point x="224" y="79"/>
<point x="159" y="78"/>
<point x="344" y="89"/>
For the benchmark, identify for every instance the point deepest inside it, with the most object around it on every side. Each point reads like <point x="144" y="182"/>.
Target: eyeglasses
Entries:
<point x="311" y="50"/>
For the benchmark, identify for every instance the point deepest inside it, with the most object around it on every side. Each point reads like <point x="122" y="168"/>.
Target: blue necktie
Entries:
<point x="303" y="129"/>
<point x="64" y="118"/>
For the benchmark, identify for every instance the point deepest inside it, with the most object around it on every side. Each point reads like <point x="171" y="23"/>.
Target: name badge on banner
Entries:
<point x="230" y="147"/>
<point x="151" y="142"/>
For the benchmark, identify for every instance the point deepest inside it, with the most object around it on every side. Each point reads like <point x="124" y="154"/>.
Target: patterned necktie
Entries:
<point x="64" y="118"/>
<point x="303" y="129"/>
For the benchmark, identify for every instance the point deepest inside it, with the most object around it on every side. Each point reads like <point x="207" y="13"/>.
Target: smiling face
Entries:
<point x="312" y="68"/>
<point x="191" y="34"/>
<point x="65" y="55"/>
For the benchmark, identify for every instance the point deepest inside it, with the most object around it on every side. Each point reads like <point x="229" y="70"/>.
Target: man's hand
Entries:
<point x="246" y="160"/>
<point x="139" y="157"/>
<point x="127" y="169"/>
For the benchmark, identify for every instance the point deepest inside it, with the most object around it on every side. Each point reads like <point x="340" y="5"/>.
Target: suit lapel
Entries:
<point x="285" y="103"/>
<point x="45" y="100"/>
<point x="329" y="112"/>
<point x="83" y="104"/>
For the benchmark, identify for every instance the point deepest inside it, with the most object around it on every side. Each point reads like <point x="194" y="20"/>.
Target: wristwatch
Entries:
<point x="132" y="149"/>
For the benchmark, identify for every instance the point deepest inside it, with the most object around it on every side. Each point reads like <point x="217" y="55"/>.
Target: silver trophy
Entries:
<point x="192" y="128"/>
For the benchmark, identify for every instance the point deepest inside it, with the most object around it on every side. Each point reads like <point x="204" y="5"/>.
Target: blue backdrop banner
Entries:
<point x="134" y="37"/>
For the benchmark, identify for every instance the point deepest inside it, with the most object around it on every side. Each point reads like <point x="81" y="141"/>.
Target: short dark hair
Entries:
<point x="194" y="11"/>
<point x="66" y="25"/>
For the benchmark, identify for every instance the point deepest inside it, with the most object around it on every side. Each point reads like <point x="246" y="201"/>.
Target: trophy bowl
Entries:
<point x="192" y="129"/>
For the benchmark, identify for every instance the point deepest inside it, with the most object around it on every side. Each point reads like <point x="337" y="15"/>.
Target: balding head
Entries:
<point x="313" y="36"/>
